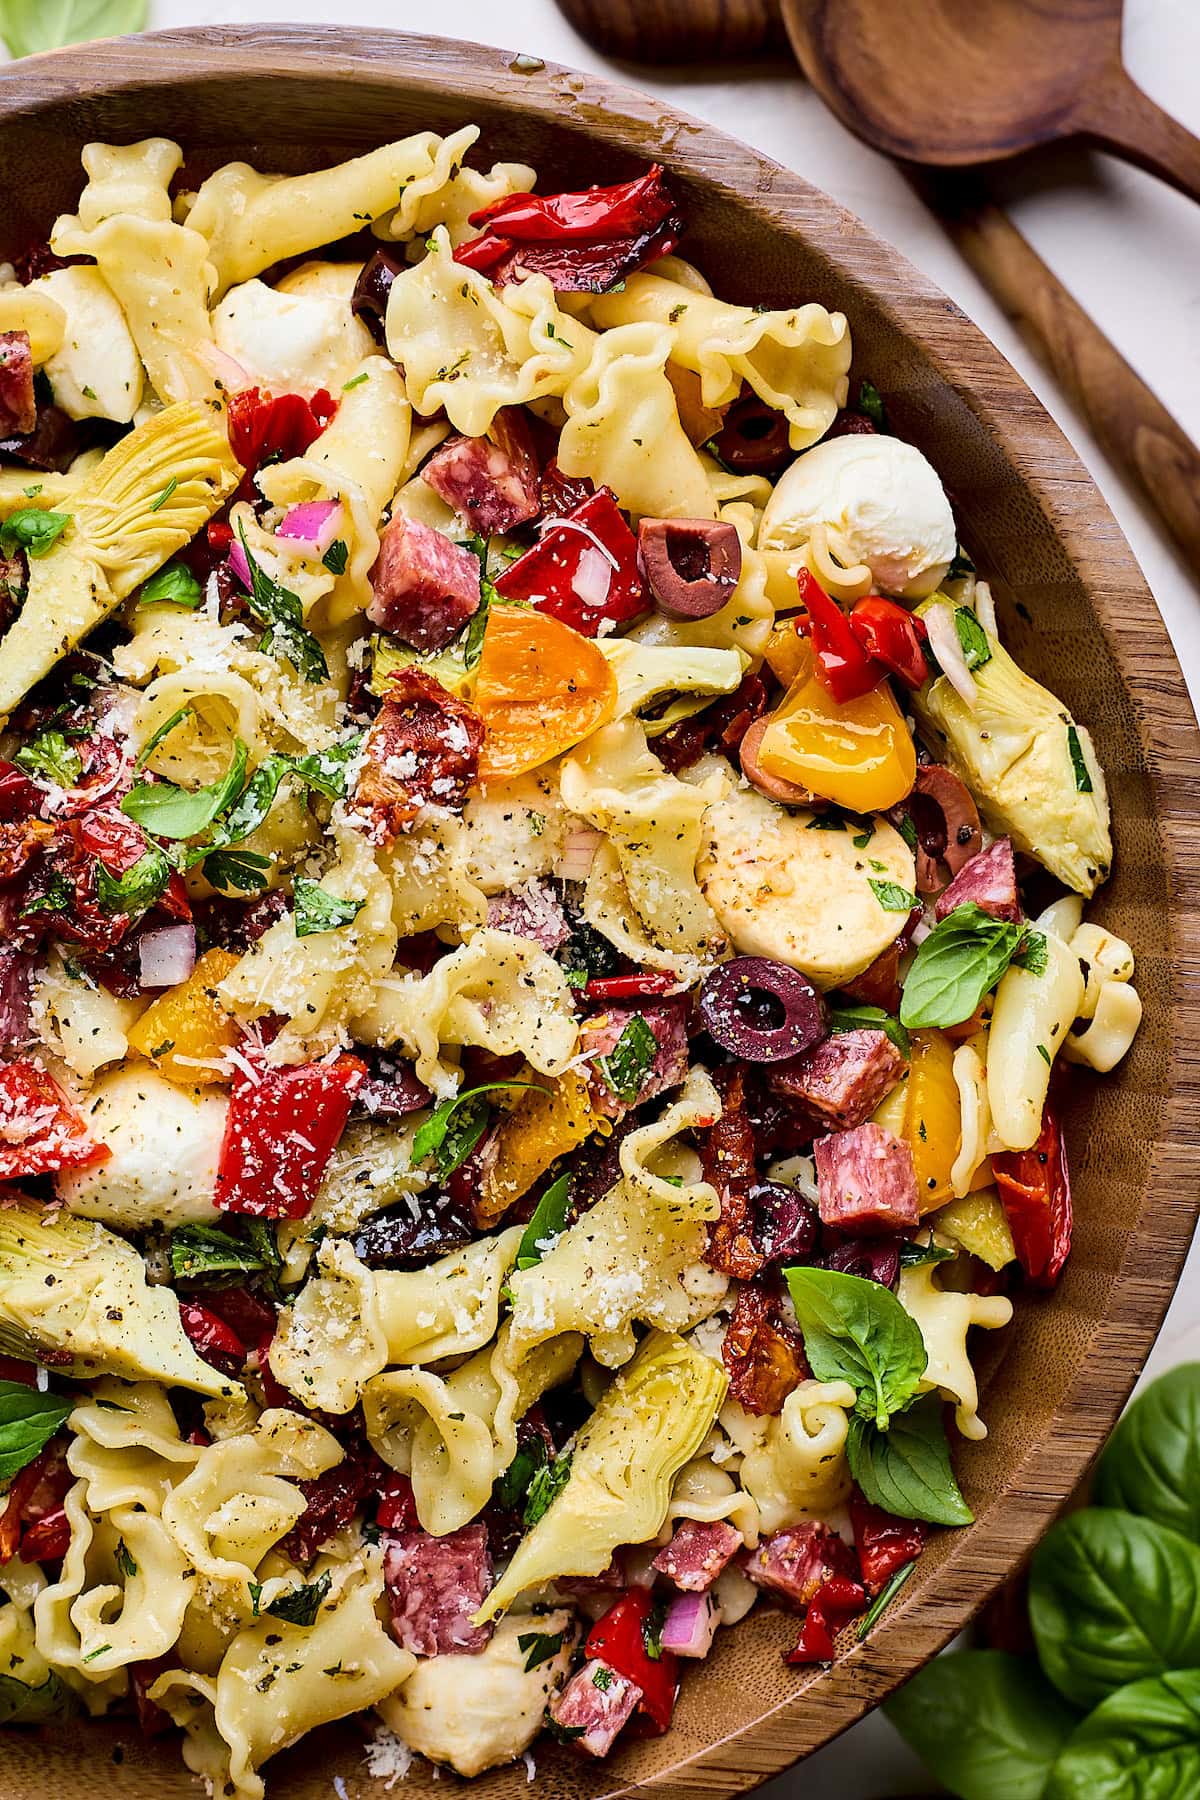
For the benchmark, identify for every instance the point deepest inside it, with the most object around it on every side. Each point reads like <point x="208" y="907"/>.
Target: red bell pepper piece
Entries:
<point x="893" y="637"/>
<point x="619" y="1638"/>
<point x="840" y="663"/>
<point x="274" y="428"/>
<point x="37" y="1491"/>
<point x="40" y="1130"/>
<point x="49" y="1539"/>
<point x="397" y="1506"/>
<point x="154" y="1722"/>
<point x="884" y="1543"/>
<point x="545" y="576"/>
<point x="584" y="241"/>
<point x="629" y="987"/>
<point x="835" y="1601"/>
<point x="283" y="1124"/>
<point x="212" y="1338"/>
<point x="19" y="799"/>
<point x="1035" y="1190"/>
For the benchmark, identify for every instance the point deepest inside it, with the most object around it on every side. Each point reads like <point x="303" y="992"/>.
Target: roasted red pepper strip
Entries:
<point x="212" y="1338"/>
<point x="1035" y="1189"/>
<point x="397" y="1506"/>
<point x="283" y="1124"/>
<point x="49" y="1539"/>
<point x="40" y="1130"/>
<point x="619" y="1637"/>
<point x="19" y="799"/>
<point x="840" y="663"/>
<point x="884" y="1543"/>
<point x="584" y="242"/>
<point x="629" y="987"/>
<point x="265" y="427"/>
<point x="893" y="637"/>
<point x="545" y="576"/>
<point x="835" y="1601"/>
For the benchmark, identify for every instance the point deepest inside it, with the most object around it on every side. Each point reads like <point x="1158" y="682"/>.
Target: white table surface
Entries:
<point x="1128" y="248"/>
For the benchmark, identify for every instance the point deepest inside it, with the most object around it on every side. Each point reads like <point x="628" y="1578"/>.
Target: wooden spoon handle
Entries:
<point x="1130" y="422"/>
<point x="662" y="31"/>
<point x="1124" y="119"/>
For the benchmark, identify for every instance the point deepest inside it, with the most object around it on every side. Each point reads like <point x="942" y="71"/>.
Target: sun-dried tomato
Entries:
<point x="332" y="1501"/>
<point x="763" y="1354"/>
<point x="20" y="841"/>
<point x="422" y="750"/>
<point x="727" y="1158"/>
<point x="719" y="727"/>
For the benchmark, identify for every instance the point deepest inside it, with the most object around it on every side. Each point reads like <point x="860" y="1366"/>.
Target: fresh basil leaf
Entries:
<point x="548" y="1222"/>
<point x="652" y="1629"/>
<point x="961" y="566"/>
<point x="328" y="770"/>
<point x="546" y="1486"/>
<point x="539" y="1646"/>
<point x="987" y="1726"/>
<point x="256" y="1588"/>
<point x="857" y="1331"/>
<point x="960" y="961"/>
<point x="28" y="26"/>
<point x="870" y="404"/>
<point x="972" y="638"/>
<point x="1142" y="1743"/>
<point x="49" y="755"/>
<point x="280" y="611"/>
<point x="21" y="1704"/>
<point x="1112" y="1599"/>
<point x="198" y="1252"/>
<point x="916" y="1256"/>
<point x="1032" y="955"/>
<point x="863" y="839"/>
<point x="1152" y="1463"/>
<point x="28" y="1420"/>
<point x="173" y="585"/>
<point x="625" y="1067"/>
<point x="138" y="888"/>
<point x="883" y="1599"/>
<point x="251" y="806"/>
<point x="892" y="897"/>
<point x="124" y="1560"/>
<point x="1083" y="775"/>
<point x="164" y="731"/>
<point x="907" y="830"/>
<point x="173" y="812"/>
<point x="906" y="1469"/>
<point x="587" y="956"/>
<point x="260" y="1235"/>
<point x="852" y="1016"/>
<point x="431" y="1138"/>
<point x="302" y="1604"/>
<point x="318" y="910"/>
<point x="240" y="869"/>
<point x="32" y="530"/>
<point x="477" y="626"/>
<point x="337" y="555"/>
<point x="59" y="896"/>
<point x="513" y="1486"/>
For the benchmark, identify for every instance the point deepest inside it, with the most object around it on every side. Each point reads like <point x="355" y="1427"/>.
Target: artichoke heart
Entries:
<point x="649" y="1423"/>
<point x="1032" y="770"/>
<point x="141" y="504"/>
<point x="75" y="1295"/>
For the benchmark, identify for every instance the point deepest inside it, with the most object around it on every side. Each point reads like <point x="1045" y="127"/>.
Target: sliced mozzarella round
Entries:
<point x="165" y="1142"/>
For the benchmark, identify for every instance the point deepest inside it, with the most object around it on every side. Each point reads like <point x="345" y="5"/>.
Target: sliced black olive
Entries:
<point x="370" y="297"/>
<point x="761" y="1010"/>
<point x="692" y="565"/>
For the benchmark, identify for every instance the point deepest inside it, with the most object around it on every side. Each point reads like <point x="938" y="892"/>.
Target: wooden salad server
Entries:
<point x="1010" y="74"/>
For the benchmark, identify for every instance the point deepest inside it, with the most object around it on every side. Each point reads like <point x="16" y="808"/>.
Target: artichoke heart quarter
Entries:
<point x="649" y="1423"/>
<point x="138" y="507"/>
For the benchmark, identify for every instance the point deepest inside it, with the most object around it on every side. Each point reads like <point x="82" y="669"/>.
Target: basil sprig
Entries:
<point x="280" y="611"/>
<point x="960" y="961"/>
<point x="625" y="1067"/>
<point x="455" y="1126"/>
<point x="548" y="1222"/>
<point x="33" y="530"/>
<point x="972" y="638"/>
<point x="49" y="755"/>
<point x="316" y="909"/>
<point x="856" y="1330"/>
<point x="173" y="585"/>
<point x="906" y="1469"/>
<point x="854" y="1016"/>
<point x="138" y="888"/>
<point x="168" y="811"/>
<point x="28" y="1420"/>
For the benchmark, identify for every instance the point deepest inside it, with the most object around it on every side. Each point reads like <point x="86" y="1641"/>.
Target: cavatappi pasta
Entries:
<point x="527" y="1040"/>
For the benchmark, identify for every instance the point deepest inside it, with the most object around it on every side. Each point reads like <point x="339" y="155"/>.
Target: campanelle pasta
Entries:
<point x="522" y="1033"/>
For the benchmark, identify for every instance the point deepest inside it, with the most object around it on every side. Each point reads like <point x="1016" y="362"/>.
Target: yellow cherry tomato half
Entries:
<point x="857" y="753"/>
<point x="541" y="688"/>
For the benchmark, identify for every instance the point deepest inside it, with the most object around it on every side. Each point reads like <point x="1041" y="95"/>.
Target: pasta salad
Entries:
<point x="542" y="936"/>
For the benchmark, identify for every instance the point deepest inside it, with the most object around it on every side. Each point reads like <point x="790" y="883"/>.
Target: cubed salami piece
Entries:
<point x="494" y="484"/>
<point x="435" y="1585"/>
<point x="795" y="1562"/>
<point x="531" y="911"/>
<point x="594" y="1707"/>
<point x="866" y="1182"/>
<point x="600" y="1035"/>
<point x="698" y="1552"/>
<point x="990" y="880"/>
<point x="424" y="587"/>
<point x="18" y="407"/>
<point x="842" y="1079"/>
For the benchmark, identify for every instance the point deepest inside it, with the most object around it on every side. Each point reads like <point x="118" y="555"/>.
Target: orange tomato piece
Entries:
<point x="541" y="688"/>
<point x="933" y="1118"/>
<point x="188" y="1022"/>
<point x="857" y="753"/>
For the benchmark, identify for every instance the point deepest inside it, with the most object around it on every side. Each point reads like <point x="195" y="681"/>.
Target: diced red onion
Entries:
<point x="167" y="956"/>
<point x="592" y="578"/>
<point x="578" y="854"/>
<point x="985" y="608"/>
<point x="313" y="522"/>
<point x="943" y="641"/>
<point x="919" y="932"/>
<point x="239" y="562"/>
<point x="690" y="1625"/>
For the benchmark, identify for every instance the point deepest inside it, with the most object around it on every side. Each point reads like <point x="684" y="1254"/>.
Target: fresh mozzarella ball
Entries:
<point x="297" y="337"/>
<point x="882" y="496"/>
<point x="475" y="1712"/>
<point x="97" y="372"/>
<point x="165" y="1142"/>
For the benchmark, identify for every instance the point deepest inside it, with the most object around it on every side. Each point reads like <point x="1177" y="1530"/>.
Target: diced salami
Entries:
<point x="531" y="911"/>
<point x="842" y="1079"/>
<point x="424" y="587"/>
<point x="422" y="750"/>
<point x="18" y="407"/>
<point x="594" y="1707"/>
<point x="866" y="1182"/>
<point x="600" y="1035"/>
<point x="493" y="483"/>
<point x="698" y="1552"/>
<point x="795" y="1562"/>
<point x="879" y="983"/>
<point x="435" y="1585"/>
<point x="990" y="880"/>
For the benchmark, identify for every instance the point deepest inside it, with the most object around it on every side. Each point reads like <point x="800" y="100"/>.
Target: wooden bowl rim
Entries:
<point x="938" y="1607"/>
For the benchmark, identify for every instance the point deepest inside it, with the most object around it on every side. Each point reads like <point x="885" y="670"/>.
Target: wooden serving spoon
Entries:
<point x="961" y="81"/>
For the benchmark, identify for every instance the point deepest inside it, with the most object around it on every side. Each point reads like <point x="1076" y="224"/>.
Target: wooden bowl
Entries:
<point x="1075" y="610"/>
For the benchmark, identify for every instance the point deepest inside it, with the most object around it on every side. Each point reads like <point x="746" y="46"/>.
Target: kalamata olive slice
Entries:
<point x="754" y="438"/>
<point x="692" y="565"/>
<point x="874" y="1259"/>
<point x="397" y="1240"/>
<point x="785" y="1225"/>
<point x="370" y="297"/>
<point x="775" y="787"/>
<point x="761" y="1010"/>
